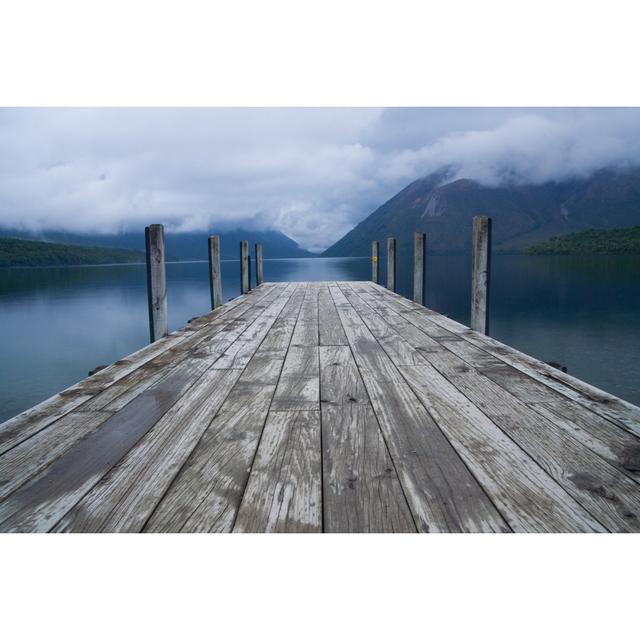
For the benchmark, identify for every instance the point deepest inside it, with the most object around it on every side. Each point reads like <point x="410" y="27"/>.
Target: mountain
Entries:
<point x="522" y="215"/>
<point x="180" y="246"/>
<point x="601" y="241"/>
<point x="30" y="253"/>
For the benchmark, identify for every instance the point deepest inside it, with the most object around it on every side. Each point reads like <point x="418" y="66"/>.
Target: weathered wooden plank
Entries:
<point x="206" y="493"/>
<point x="361" y="491"/>
<point x="299" y="385"/>
<point x="156" y="282"/>
<point x="39" y="504"/>
<point x="238" y="355"/>
<point x="30" y="422"/>
<point x="528" y="498"/>
<point x="266" y="364"/>
<point x="615" y="445"/>
<point x="215" y="273"/>
<point x="331" y="331"/>
<point x="442" y="493"/>
<point x="125" y="497"/>
<point x="159" y="397"/>
<point x="224" y="329"/>
<point x="510" y="477"/>
<point x="307" y="331"/>
<point x="284" y="491"/>
<point x="87" y="394"/>
<point x="605" y="404"/>
<point x="27" y="459"/>
<point x="619" y="447"/>
<point x="609" y="495"/>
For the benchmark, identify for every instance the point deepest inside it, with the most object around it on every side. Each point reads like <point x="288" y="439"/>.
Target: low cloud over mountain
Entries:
<point x="309" y="173"/>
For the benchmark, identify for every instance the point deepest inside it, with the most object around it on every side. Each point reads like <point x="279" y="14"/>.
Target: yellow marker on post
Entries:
<point x="375" y="251"/>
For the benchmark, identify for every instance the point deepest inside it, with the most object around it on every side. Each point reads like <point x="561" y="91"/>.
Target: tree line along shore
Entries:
<point x="32" y="253"/>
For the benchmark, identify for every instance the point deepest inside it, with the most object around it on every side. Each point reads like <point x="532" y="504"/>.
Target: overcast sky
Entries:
<point x="310" y="173"/>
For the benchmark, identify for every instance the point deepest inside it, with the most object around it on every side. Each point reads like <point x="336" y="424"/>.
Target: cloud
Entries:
<point x="310" y="173"/>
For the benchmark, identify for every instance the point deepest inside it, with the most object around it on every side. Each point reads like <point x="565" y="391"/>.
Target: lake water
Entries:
<point x="58" y="323"/>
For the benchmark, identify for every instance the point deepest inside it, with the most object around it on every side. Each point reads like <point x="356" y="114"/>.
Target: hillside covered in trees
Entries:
<point x="30" y="253"/>
<point x="593" y="241"/>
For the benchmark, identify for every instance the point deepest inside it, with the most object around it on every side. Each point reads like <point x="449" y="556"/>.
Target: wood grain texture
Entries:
<point x="259" y="264"/>
<point x="362" y="492"/>
<point x="324" y="406"/>
<point x="428" y="466"/>
<point x="125" y="497"/>
<point x="330" y="327"/>
<point x="96" y="392"/>
<point x="608" y="494"/>
<point x="480" y="274"/>
<point x="156" y="282"/>
<point x="284" y="492"/>
<point x="205" y="495"/>
<point x="39" y="504"/>
<point x="391" y="264"/>
<point x="215" y="273"/>
<point x="526" y="496"/>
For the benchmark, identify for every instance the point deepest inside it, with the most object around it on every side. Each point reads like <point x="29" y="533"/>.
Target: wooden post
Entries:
<point x="481" y="274"/>
<point x="375" y="261"/>
<point x="156" y="282"/>
<point x="419" y="266"/>
<point x="215" y="274"/>
<point x="244" y="267"/>
<point x="391" y="264"/>
<point x="259" y="267"/>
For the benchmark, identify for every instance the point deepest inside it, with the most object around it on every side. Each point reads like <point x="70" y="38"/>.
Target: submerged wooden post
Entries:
<point x="244" y="267"/>
<point x="259" y="267"/>
<point x="375" y="264"/>
<point x="481" y="274"/>
<point x="215" y="274"/>
<point x="391" y="264"/>
<point x="156" y="282"/>
<point x="419" y="265"/>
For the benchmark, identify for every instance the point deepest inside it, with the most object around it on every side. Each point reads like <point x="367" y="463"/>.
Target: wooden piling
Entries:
<point x="156" y="282"/>
<point x="259" y="265"/>
<point x="215" y="274"/>
<point x="244" y="267"/>
<point x="419" y="266"/>
<point x="481" y="274"/>
<point x="375" y="261"/>
<point x="391" y="264"/>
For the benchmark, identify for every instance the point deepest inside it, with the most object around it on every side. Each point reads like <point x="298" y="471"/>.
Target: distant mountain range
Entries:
<point x="522" y="215"/>
<point x="180" y="246"/>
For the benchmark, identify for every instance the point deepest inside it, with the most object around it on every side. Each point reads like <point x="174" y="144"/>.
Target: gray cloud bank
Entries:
<point x="310" y="173"/>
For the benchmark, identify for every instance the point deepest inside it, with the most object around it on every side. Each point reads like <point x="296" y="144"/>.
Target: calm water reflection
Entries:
<point x="58" y="323"/>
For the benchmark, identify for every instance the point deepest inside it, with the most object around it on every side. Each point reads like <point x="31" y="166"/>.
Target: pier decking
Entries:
<point x="335" y="407"/>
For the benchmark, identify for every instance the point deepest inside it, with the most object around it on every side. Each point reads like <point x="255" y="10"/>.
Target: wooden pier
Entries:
<point x="323" y="407"/>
